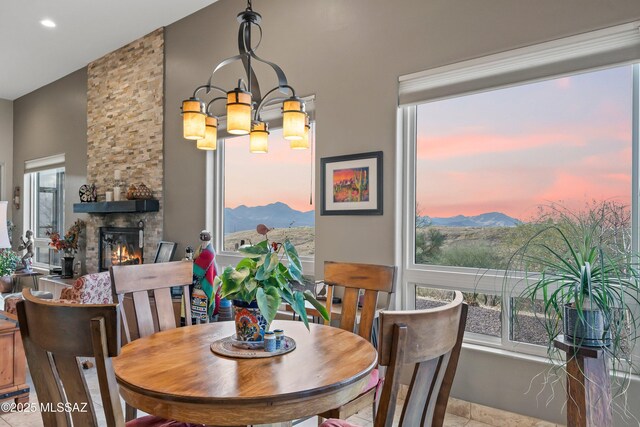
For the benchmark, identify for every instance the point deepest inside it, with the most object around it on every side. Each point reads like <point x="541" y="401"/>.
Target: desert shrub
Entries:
<point x="473" y="254"/>
<point x="429" y="243"/>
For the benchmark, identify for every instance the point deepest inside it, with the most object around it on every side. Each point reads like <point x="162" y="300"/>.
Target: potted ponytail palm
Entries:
<point x="581" y="279"/>
<point x="260" y="283"/>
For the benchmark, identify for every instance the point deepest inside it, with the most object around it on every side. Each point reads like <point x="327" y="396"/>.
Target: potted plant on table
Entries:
<point x="581" y="279"/>
<point x="260" y="283"/>
<point x="8" y="264"/>
<point x="68" y="244"/>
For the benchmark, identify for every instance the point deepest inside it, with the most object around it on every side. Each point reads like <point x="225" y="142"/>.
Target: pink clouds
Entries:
<point x="469" y="144"/>
<point x="479" y="173"/>
<point x="435" y="147"/>
<point x="512" y="149"/>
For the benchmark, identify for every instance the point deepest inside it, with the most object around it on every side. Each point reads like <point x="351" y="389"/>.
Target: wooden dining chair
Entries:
<point x="355" y="278"/>
<point x="54" y="335"/>
<point x="430" y="340"/>
<point x="156" y="279"/>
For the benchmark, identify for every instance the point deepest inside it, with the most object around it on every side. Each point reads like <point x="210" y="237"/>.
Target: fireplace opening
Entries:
<point x="120" y="246"/>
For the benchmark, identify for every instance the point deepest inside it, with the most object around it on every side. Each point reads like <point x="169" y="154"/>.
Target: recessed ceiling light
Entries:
<point x="48" y="23"/>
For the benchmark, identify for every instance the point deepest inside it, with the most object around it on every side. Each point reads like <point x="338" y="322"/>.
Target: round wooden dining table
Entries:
<point x="175" y="375"/>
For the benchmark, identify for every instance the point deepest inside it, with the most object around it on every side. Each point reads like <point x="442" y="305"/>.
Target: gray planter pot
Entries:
<point x="590" y="331"/>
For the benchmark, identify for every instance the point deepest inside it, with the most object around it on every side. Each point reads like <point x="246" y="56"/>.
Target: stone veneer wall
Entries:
<point x="125" y="110"/>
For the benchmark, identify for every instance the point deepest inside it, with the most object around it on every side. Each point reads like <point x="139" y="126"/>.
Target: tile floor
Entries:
<point x="462" y="413"/>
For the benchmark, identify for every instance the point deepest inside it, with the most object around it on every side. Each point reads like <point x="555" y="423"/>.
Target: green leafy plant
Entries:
<point x="8" y="262"/>
<point x="576" y="260"/>
<point x="263" y="277"/>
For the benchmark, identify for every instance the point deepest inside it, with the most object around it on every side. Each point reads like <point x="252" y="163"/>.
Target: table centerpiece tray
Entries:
<point x="230" y="347"/>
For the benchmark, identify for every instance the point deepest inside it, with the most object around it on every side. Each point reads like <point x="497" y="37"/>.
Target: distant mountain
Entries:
<point x="277" y="215"/>
<point x="490" y="219"/>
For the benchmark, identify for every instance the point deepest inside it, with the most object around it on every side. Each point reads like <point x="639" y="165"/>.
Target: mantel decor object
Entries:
<point x="245" y="102"/>
<point x="88" y="193"/>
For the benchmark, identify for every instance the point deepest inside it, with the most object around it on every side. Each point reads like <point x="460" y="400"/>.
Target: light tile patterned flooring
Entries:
<point x="462" y="413"/>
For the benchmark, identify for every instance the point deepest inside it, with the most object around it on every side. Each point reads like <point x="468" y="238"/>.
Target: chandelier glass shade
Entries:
<point x="193" y="119"/>
<point x="302" y="144"/>
<point x="245" y="102"/>
<point x="210" y="141"/>
<point x="259" y="138"/>
<point x="293" y="119"/>
<point x="238" y="112"/>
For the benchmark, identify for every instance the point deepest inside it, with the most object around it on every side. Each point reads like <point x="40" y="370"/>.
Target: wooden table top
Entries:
<point x="174" y="374"/>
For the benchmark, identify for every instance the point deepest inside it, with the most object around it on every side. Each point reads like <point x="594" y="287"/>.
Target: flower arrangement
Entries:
<point x="8" y="262"/>
<point x="68" y="243"/>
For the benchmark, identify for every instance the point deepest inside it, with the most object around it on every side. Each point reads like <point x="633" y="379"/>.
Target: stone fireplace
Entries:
<point x="125" y="111"/>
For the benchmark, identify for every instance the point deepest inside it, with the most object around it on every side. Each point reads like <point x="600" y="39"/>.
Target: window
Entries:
<point x="45" y="210"/>
<point x="495" y="147"/>
<point x="273" y="188"/>
<point x="490" y="164"/>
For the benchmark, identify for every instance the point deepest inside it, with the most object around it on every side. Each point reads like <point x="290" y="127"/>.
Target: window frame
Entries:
<point x="31" y="183"/>
<point x="214" y="199"/>
<point x="481" y="280"/>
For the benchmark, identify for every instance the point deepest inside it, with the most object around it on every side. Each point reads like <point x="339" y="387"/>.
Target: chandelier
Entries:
<point x="245" y="102"/>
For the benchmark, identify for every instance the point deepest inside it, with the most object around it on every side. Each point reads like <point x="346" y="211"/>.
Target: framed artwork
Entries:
<point x="165" y="251"/>
<point x="352" y="184"/>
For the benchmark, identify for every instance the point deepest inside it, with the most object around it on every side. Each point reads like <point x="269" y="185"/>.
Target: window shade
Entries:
<point x="595" y="49"/>
<point x="44" y="163"/>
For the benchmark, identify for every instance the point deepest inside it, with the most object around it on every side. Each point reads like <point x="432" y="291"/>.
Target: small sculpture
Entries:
<point x="204" y="303"/>
<point x="28" y="245"/>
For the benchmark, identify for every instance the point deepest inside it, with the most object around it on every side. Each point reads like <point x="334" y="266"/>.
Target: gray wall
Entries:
<point x="6" y="151"/>
<point x="49" y="121"/>
<point x="349" y="53"/>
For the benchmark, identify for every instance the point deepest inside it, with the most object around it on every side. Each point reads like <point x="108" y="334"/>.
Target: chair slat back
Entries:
<point x="54" y="336"/>
<point x="138" y="280"/>
<point x="431" y="341"/>
<point x="373" y="279"/>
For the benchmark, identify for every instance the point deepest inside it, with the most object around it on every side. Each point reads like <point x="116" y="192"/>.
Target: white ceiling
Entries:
<point x="32" y="55"/>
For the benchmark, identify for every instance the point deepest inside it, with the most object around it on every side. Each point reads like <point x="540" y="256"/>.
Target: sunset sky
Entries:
<point x="281" y="175"/>
<point x="514" y="149"/>
<point x="510" y="150"/>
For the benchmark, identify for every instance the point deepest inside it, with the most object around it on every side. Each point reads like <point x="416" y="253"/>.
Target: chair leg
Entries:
<point x="130" y="413"/>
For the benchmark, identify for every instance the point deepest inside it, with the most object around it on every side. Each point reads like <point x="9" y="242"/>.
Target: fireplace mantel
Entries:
<point x="124" y="206"/>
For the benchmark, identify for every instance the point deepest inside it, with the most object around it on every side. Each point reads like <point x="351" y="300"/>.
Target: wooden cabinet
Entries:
<point x="13" y="363"/>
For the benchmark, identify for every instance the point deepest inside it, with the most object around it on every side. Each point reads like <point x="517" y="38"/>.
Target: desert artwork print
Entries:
<point x="351" y="185"/>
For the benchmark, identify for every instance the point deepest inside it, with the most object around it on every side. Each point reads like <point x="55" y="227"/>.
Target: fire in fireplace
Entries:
<point x="121" y="246"/>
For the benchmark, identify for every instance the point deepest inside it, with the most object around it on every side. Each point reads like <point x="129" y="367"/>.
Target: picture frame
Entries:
<point x="165" y="251"/>
<point x="352" y="184"/>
